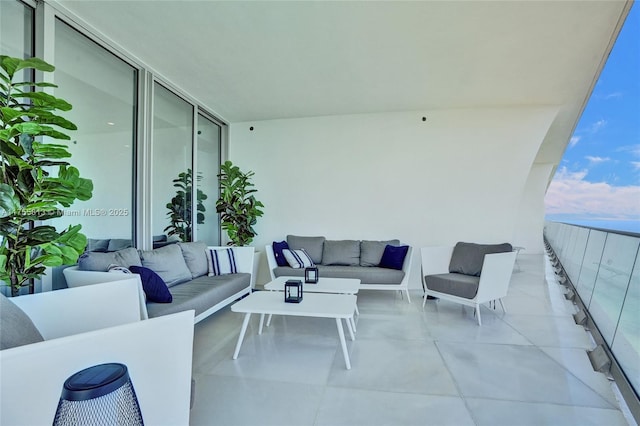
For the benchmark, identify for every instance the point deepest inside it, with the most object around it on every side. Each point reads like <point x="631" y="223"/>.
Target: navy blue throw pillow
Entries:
<point x="277" y="251"/>
<point x="393" y="257"/>
<point x="154" y="287"/>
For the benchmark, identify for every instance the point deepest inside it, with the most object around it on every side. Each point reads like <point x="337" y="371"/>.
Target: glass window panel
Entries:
<point x="611" y="285"/>
<point x="102" y="89"/>
<point x="626" y="343"/>
<point x="171" y="161"/>
<point x="16" y="29"/>
<point x="590" y="265"/>
<point x="209" y="134"/>
<point x="576" y="253"/>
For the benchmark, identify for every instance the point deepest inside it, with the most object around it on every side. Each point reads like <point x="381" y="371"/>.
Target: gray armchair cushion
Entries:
<point x="96" y="261"/>
<point x="467" y="258"/>
<point x="343" y="252"/>
<point x="195" y="256"/>
<point x="167" y="262"/>
<point x="371" y="251"/>
<point x="16" y="328"/>
<point x="313" y="246"/>
<point x="454" y="284"/>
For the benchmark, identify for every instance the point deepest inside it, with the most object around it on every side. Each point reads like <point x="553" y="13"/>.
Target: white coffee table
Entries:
<point x="319" y="305"/>
<point x="324" y="285"/>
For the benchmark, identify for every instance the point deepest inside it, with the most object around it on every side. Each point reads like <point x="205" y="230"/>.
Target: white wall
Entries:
<point x="458" y="176"/>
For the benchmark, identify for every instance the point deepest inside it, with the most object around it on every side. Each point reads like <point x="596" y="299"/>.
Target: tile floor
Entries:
<point x="409" y="366"/>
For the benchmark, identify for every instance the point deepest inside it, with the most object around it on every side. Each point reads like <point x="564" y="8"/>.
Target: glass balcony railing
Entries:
<point x="604" y="269"/>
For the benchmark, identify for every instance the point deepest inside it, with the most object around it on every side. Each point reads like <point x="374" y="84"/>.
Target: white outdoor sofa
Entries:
<point x="349" y="259"/>
<point x="93" y="325"/>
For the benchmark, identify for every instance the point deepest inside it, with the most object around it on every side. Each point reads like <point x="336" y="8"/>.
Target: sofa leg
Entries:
<point x="478" y="314"/>
<point x="408" y="297"/>
<point x="502" y="304"/>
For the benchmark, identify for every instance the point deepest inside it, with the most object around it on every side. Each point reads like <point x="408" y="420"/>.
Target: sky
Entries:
<point x="597" y="182"/>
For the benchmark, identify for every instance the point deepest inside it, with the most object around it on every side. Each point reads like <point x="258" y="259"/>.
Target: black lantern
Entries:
<point x="99" y="395"/>
<point x="293" y="291"/>
<point x="311" y="275"/>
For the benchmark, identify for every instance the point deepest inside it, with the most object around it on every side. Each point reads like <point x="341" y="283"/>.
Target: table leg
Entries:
<point x="269" y="320"/>
<point x="350" y="328"/>
<point x="343" y="343"/>
<point x="261" y="323"/>
<point x="243" y="330"/>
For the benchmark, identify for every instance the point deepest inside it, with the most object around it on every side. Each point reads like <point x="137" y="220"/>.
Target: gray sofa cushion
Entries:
<point x="343" y="252"/>
<point x="200" y="294"/>
<point x="313" y="246"/>
<point x="467" y="258"/>
<point x="366" y="274"/>
<point x="460" y="285"/>
<point x="116" y="244"/>
<point x="371" y="251"/>
<point x="97" y="245"/>
<point x="96" y="261"/>
<point x="195" y="256"/>
<point x="167" y="262"/>
<point x="16" y="328"/>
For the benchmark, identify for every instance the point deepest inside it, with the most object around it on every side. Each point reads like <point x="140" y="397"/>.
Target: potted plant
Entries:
<point x="180" y="206"/>
<point x="238" y="207"/>
<point x="30" y="191"/>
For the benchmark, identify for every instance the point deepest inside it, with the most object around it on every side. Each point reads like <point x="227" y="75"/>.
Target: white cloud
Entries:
<point x="570" y="194"/>
<point x="574" y="141"/>
<point x="595" y="127"/>
<point x="636" y="165"/>
<point x="613" y="95"/>
<point x="597" y="160"/>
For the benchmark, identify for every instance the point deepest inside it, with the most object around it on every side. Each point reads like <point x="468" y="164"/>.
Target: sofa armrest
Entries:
<point x="76" y="310"/>
<point x="271" y="260"/>
<point x="77" y="278"/>
<point x="157" y="353"/>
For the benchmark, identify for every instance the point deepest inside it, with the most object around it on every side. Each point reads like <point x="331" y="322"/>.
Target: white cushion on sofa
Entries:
<point x="298" y="258"/>
<point x="221" y="262"/>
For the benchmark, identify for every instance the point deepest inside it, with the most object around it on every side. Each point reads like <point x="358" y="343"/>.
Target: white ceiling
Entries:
<point x="265" y="60"/>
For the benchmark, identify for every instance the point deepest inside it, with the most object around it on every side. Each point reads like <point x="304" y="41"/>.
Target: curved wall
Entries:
<point x="458" y="176"/>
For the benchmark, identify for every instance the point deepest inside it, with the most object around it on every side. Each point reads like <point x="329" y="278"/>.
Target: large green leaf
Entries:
<point x="9" y="203"/>
<point x="45" y="99"/>
<point x="35" y="63"/>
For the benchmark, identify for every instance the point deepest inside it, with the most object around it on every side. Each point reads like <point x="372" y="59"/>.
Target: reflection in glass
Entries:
<point x="16" y="30"/>
<point x="626" y="342"/>
<point x="611" y="285"/>
<point x="170" y="164"/>
<point x="102" y="89"/>
<point x="590" y="265"/>
<point x="209" y="135"/>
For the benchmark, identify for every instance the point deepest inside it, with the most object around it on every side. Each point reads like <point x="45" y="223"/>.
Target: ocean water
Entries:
<point x="632" y="226"/>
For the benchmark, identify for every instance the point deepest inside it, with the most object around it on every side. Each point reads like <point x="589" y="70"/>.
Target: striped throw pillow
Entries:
<point x="297" y="258"/>
<point x="221" y="261"/>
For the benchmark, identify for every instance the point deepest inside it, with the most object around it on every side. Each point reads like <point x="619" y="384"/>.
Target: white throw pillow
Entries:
<point x="221" y="262"/>
<point x="297" y="258"/>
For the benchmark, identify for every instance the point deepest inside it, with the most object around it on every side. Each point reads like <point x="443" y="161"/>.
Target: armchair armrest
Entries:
<point x="271" y="260"/>
<point x="497" y="269"/>
<point x="157" y="353"/>
<point x="76" y="310"/>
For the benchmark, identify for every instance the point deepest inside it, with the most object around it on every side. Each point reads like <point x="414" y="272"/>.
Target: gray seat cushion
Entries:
<point x="460" y="285"/>
<point x="467" y="258"/>
<point x="16" y="328"/>
<point x="342" y="252"/>
<point x="200" y="294"/>
<point x="371" y="251"/>
<point x="366" y="274"/>
<point x="313" y="246"/>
